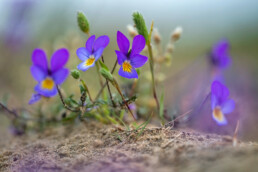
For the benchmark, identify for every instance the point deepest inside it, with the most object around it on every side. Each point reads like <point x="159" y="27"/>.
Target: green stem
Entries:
<point x="152" y="75"/>
<point x="62" y="100"/>
<point x="85" y="86"/>
<point x="100" y="79"/>
<point x="102" y="88"/>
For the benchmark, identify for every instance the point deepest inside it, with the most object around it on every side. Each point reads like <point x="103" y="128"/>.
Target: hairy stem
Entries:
<point x="152" y="76"/>
<point x="8" y="110"/>
<point x="109" y="91"/>
<point x="102" y="88"/>
<point x="120" y="92"/>
<point x="63" y="102"/>
<point x="85" y="86"/>
<point x="100" y="79"/>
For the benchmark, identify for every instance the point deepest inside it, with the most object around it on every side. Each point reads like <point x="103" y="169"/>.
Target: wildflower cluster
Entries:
<point x="220" y="102"/>
<point x="111" y="106"/>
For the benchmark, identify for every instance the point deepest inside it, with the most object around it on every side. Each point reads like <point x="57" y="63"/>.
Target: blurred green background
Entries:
<point x="27" y="24"/>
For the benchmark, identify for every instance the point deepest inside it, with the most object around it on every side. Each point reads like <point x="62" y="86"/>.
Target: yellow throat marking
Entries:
<point x="218" y="114"/>
<point x="127" y="67"/>
<point x="48" y="84"/>
<point x="90" y="61"/>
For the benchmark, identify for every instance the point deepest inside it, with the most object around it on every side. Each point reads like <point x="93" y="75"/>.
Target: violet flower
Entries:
<point x="92" y="51"/>
<point x="220" y="102"/>
<point x="130" y="59"/>
<point x="220" y="54"/>
<point x="47" y="77"/>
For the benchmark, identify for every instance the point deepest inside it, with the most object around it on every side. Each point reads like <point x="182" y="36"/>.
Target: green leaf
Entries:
<point x="138" y="70"/>
<point x="5" y="99"/>
<point x="82" y="89"/>
<point x="161" y="110"/>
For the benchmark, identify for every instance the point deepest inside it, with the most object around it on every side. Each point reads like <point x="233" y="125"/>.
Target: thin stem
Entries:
<point x="152" y="76"/>
<point x="100" y="79"/>
<point x="63" y="102"/>
<point x="236" y="133"/>
<point x="87" y="89"/>
<point x="8" y="110"/>
<point x="109" y="91"/>
<point x="102" y="88"/>
<point x="152" y="68"/>
<point x="120" y="92"/>
<point x="196" y="110"/>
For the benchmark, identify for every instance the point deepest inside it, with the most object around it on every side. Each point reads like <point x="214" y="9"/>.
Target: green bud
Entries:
<point x="83" y="22"/>
<point x="140" y="25"/>
<point x="106" y="74"/>
<point x="138" y="71"/>
<point x="103" y="65"/>
<point x="75" y="74"/>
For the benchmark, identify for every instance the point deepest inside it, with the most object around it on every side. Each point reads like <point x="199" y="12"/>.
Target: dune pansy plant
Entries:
<point x="92" y="51"/>
<point x="219" y="55"/>
<point x="221" y="104"/>
<point x="130" y="59"/>
<point x="48" y="77"/>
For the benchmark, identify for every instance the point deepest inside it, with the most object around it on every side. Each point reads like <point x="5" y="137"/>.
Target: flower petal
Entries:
<point x="97" y="54"/>
<point x="122" y="42"/>
<point x="120" y="57"/>
<point x="216" y="88"/>
<point x="82" y="66"/>
<point x="37" y="73"/>
<point x="129" y="75"/>
<point x="83" y="53"/>
<point x="214" y="101"/>
<point x="225" y="92"/>
<point x="101" y="42"/>
<point x="60" y="76"/>
<point x="59" y="59"/>
<point x="45" y="92"/>
<point x="34" y="98"/>
<point x="39" y="59"/>
<point x="138" y="60"/>
<point x="228" y="106"/>
<point x="89" y="43"/>
<point x="221" y="121"/>
<point x="138" y="44"/>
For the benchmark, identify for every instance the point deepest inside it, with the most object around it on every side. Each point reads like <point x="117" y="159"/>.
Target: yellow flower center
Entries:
<point x="90" y="61"/>
<point x="48" y="84"/>
<point x="127" y="67"/>
<point x="218" y="114"/>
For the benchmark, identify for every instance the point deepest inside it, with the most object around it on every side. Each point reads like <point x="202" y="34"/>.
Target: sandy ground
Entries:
<point x="96" y="147"/>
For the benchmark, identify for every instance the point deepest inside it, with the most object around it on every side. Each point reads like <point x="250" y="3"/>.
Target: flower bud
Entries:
<point x="170" y="48"/>
<point x="75" y="74"/>
<point x="140" y="25"/>
<point x="177" y="33"/>
<point x="132" y="31"/>
<point x="83" y="22"/>
<point x="106" y="74"/>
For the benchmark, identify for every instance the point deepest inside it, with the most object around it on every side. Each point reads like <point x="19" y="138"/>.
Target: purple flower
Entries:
<point x="130" y="59"/>
<point x="220" y="54"/>
<point x="34" y="98"/>
<point x="220" y="102"/>
<point x="47" y="77"/>
<point x="92" y="51"/>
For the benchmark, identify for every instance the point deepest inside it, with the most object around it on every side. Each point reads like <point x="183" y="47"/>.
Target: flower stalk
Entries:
<point x="152" y="69"/>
